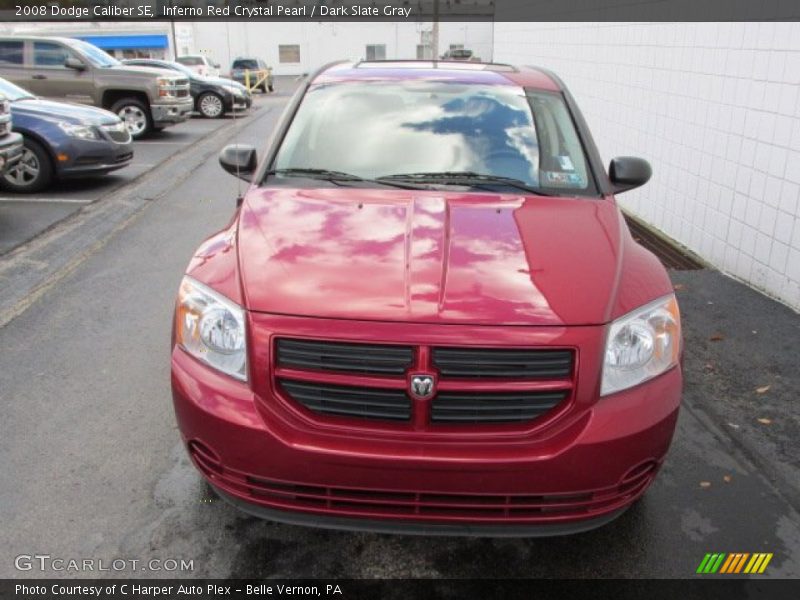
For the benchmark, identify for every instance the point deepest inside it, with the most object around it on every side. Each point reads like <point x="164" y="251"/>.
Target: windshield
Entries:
<point x="424" y="127"/>
<point x="96" y="56"/>
<point x="12" y="92"/>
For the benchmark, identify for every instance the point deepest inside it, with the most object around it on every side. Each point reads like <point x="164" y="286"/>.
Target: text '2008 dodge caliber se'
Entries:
<point x="428" y="314"/>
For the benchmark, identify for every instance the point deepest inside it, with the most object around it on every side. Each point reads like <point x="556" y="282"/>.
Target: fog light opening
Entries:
<point x="206" y="459"/>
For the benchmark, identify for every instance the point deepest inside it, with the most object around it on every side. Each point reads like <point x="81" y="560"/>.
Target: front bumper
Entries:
<point x="172" y="113"/>
<point x="92" y="157"/>
<point x="573" y="473"/>
<point x="232" y="103"/>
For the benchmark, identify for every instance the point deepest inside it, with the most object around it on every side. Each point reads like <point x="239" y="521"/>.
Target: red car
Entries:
<point x="428" y="314"/>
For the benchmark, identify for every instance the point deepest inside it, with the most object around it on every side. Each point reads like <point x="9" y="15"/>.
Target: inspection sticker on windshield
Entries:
<point x="558" y="178"/>
<point x="566" y="163"/>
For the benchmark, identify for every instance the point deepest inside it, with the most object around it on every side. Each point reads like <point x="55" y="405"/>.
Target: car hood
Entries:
<point x="427" y="256"/>
<point x="64" y="111"/>
<point x="124" y="70"/>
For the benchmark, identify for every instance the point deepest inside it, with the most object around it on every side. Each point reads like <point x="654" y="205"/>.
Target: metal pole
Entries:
<point x="174" y="40"/>
<point x="435" y="33"/>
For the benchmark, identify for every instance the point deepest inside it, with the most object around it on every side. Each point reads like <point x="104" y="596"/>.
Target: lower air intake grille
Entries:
<point x="353" y="358"/>
<point x="359" y="402"/>
<point x="511" y="364"/>
<point x="513" y="407"/>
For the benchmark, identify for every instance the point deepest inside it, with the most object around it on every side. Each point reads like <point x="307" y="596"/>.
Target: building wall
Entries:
<point x="323" y="42"/>
<point x="714" y="107"/>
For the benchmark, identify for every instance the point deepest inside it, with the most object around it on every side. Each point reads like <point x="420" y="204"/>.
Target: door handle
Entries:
<point x="39" y="77"/>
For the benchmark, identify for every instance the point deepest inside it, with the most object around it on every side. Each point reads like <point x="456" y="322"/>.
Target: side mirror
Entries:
<point x="74" y="63"/>
<point x="628" y="172"/>
<point x="239" y="160"/>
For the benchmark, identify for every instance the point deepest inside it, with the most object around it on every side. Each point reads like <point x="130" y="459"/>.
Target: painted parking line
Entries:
<point x="154" y="142"/>
<point x="28" y="200"/>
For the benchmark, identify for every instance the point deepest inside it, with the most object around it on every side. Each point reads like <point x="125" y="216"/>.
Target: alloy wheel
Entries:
<point x="211" y="106"/>
<point x="134" y="118"/>
<point x="26" y="171"/>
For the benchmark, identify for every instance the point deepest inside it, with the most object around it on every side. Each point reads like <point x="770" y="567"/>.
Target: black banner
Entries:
<point x="400" y="10"/>
<point x="405" y="589"/>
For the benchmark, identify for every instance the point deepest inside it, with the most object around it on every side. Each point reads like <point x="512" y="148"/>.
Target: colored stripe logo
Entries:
<point x="735" y="562"/>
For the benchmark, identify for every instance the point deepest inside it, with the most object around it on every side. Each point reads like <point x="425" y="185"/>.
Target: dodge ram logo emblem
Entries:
<point x="422" y="386"/>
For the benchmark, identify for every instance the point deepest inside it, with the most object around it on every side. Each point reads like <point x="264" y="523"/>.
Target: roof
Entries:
<point x="439" y="70"/>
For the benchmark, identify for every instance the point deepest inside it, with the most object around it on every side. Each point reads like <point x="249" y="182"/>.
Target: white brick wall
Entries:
<point x="714" y="107"/>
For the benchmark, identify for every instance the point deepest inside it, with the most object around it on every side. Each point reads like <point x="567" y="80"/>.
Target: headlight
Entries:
<point x="84" y="132"/>
<point x="211" y="328"/>
<point x="642" y="344"/>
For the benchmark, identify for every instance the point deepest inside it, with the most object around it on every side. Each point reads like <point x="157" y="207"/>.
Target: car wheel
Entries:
<point x="210" y="105"/>
<point x="264" y="88"/>
<point x="135" y="115"/>
<point x="271" y="87"/>
<point x="32" y="172"/>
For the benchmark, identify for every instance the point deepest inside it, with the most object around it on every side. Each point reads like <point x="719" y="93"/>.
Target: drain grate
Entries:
<point x="670" y="254"/>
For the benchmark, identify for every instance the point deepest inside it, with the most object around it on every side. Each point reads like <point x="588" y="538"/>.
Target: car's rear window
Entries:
<point x="245" y="64"/>
<point x="376" y="130"/>
<point x="192" y="61"/>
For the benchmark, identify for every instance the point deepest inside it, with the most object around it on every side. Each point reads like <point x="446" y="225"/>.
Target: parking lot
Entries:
<point x="92" y="461"/>
<point x="23" y="216"/>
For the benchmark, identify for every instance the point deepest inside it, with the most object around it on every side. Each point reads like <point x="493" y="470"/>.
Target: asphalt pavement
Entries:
<point x="92" y="465"/>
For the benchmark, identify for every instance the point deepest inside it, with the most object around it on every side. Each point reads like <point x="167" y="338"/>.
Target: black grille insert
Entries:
<point x="361" y="402"/>
<point x="483" y="407"/>
<point x="352" y="358"/>
<point x="512" y="364"/>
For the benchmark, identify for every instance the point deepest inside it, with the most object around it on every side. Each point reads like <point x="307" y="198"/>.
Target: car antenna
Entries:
<point x="239" y="195"/>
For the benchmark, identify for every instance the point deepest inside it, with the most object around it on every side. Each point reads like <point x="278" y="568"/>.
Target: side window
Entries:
<point x="48" y="54"/>
<point x="11" y="52"/>
<point x="562" y="162"/>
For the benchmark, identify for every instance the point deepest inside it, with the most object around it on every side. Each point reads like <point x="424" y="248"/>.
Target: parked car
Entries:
<point x="253" y="73"/>
<point x="200" y="64"/>
<point x="213" y="96"/>
<point x="459" y="54"/>
<point x="428" y="314"/>
<point x="10" y="142"/>
<point x="69" y="69"/>
<point x="62" y="140"/>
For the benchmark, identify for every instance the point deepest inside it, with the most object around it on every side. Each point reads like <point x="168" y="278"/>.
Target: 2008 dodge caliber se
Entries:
<point x="428" y="314"/>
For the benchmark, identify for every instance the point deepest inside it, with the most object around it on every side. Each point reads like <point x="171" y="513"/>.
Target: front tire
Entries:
<point x="136" y="116"/>
<point x="33" y="171"/>
<point x="210" y="105"/>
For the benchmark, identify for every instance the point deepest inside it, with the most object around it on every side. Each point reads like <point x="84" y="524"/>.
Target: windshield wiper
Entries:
<point x="337" y="176"/>
<point x="465" y="178"/>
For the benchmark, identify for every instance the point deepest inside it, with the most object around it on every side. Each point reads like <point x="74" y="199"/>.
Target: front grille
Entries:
<point x="494" y="362"/>
<point x="347" y="401"/>
<point x="351" y="358"/>
<point x="458" y="407"/>
<point x="325" y="378"/>
<point x="123" y="157"/>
